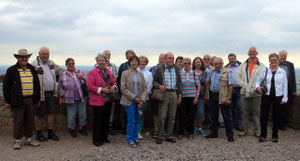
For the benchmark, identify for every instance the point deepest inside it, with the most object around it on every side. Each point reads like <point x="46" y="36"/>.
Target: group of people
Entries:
<point x="181" y="95"/>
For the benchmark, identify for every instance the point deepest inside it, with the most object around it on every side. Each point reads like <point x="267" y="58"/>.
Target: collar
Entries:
<point x="257" y="61"/>
<point x="235" y="65"/>
<point x="218" y="71"/>
<point x="41" y="61"/>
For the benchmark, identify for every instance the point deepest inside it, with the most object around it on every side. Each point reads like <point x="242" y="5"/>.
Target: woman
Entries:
<point x="199" y="69"/>
<point x="70" y="93"/>
<point x="190" y="94"/>
<point x="179" y="62"/>
<point x="102" y="86"/>
<point x="276" y="95"/>
<point x="149" y="80"/>
<point x="134" y="93"/>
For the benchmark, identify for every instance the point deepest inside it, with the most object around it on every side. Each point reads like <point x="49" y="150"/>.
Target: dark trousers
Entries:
<point x="214" y="105"/>
<point x="186" y="115"/>
<point x="283" y="112"/>
<point x="236" y="107"/>
<point x="208" y="114"/>
<point x="266" y="102"/>
<point x="23" y="119"/>
<point x="101" y="116"/>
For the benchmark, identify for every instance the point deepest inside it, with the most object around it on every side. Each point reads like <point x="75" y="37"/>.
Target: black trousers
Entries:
<point x="266" y="102"/>
<point x="186" y="115"/>
<point x="283" y="112"/>
<point x="214" y="105"/>
<point x="101" y="116"/>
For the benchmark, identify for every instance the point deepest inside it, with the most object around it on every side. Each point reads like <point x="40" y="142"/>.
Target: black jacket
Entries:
<point x="12" y="89"/>
<point x="291" y="79"/>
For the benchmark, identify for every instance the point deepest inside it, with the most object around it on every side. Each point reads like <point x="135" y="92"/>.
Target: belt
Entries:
<point x="171" y="90"/>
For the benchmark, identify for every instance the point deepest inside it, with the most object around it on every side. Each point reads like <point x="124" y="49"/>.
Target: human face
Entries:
<point x="179" y="63"/>
<point x="143" y="64"/>
<point x="282" y="57"/>
<point x="187" y="65"/>
<point x="129" y="55"/>
<point x="23" y="60"/>
<point x="101" y="63"/>
<point x="107" y="53"/>
<point x="206" y="60"/>
<point x="198" y="64"/>
<point x="161" y="59"/>
<point x="252" y="53"/>
<point x="44" y="55"/>
<point x="273" y="61"/>
<point x="134" y="64"/>
<point x="218" y="64"/>
<point x="169" y="60"/>
<point x="232" y="60"/>
<point x="70" y="65"/>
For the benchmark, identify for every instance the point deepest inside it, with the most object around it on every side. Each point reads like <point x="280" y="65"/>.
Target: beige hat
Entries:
<point x="22" y="52"/>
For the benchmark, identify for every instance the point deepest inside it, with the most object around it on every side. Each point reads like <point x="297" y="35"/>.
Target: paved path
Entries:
<point x="81" y="148"/>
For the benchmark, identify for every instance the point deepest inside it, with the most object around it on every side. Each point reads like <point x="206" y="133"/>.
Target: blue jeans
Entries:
<point x="72" y="109"/>
<point x="236" y="107"/>
<point x="200" y="110"/>
<point x="133" y="121"/>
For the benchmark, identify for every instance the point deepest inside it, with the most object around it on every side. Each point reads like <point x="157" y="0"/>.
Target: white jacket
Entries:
<point x="248" y="83"/>
<point x="281" y="85"/>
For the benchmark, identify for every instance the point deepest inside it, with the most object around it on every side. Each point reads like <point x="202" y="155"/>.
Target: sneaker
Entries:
<point x="137" y="143"/>
<point x="17" y="145"/>
<point x="242" y="133"/>
<point x="275" y="140"/>
<point x="140" y="136"/>
<point x="201" y="132"/>
<point x="31" y="143"/>
<point x="40" y="137"/>
<point x="261" y="139"/>
<point x="132" y="145"/>
<point x="52" y="136"/>
<point x="172" y="140"/>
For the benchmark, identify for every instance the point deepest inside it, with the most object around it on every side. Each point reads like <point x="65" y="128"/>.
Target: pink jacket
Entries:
<point x="93" y="82"/>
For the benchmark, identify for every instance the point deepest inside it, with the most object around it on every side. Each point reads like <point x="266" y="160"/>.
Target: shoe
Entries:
<point x="257" y="134"/>
<point x="155" y="134"/>
<point x="132" y="145"/>
<point x="98" y="144"/>
<point x="180" y="137"/>
<point x="238" y="128"/>
<point x="40" y="137"/>
<point x="230" y="139"/>
<point x="140" y="136"/>
<point x="201" y="132"/>
<point x="111" y="131"/>
<point x="164" y="133"/>
<point x="17" y="145"/>
<point x="52" y="136"/>
<point x="261" y="139"/>
<point x="211" y="136"/>
<point x="282" y="128"/>
<point x="73" y="133"/>
<point x="83" y="131"/>
<point x="222" y="125"/>
<point x="172" y="140"/>
<point x="242" y="133"/>
<point x="275" y="140"/>
<point x="159" y="141"/>
<point x="137" y="143"/>
<point x="31" y="143"/>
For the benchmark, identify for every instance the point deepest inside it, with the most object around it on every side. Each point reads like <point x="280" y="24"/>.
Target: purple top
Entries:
<point x="75" y="90"/>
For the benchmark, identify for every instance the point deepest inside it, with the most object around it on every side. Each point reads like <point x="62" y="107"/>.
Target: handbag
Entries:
<point x="84" y="88"/>
<point x="157" y="94"/>
<point x="263" y="83"/>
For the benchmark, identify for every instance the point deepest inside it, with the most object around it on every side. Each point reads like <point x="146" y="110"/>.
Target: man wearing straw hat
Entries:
<point x="21" y="92"/>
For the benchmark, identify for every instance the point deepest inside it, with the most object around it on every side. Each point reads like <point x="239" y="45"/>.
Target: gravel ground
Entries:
<point x="82" y="148"/>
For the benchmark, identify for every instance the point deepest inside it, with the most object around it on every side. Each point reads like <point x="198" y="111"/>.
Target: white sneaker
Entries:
<point x="140" y="136"/>
<point x="17" y="144"/>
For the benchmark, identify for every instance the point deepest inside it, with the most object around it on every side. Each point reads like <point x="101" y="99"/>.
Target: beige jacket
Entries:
<point x="128" y="86"/>
<point x="248" y="83"/>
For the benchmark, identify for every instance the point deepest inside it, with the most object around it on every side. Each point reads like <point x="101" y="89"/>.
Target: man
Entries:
<point x="21" y="92"/>
<point x="290" y="73"/>
<point x="218" y="93"/>
<point x="236" y="97"/>
<point x="167" y="79"/>
<point x="208" y="66"/>
<point x="124" y="66"/>
<point x="207" y="62"/>
<point x="113" y="69"/>
<point x="246" y="76"/>
<point x="47" y="72"/>
<point x="154" y="103"/>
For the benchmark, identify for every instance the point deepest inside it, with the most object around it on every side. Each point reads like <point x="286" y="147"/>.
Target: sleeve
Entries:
<point x="7" y="86"/>
<point x="115" y="71"/>
<point x="60" y="87"/>
<point x="149" y="82"/>
<point x="285" y="87"/>
<point x="293" y="83"/>
<point x="238" y="77"/>
<point x="144" y="94"/>
<point x="230" y="78"/>
<point x="261" y="77"/>
<point x="90" y="82"/>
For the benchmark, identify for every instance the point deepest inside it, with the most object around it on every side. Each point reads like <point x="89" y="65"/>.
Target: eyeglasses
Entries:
<point x="186" y="63"/>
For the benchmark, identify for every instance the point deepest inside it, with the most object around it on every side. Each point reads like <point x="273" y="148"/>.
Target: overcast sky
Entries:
<point x="81" y="29"/>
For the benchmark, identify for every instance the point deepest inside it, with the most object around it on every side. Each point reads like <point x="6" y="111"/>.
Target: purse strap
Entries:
<point x="266" y="73"/>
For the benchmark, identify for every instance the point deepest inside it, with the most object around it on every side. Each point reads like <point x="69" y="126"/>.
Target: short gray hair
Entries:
<point x="187" y="58"/>
<point x="101" y="55"/>
<point x="42" y="48"/>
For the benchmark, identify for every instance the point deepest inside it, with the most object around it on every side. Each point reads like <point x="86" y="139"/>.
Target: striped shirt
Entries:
<point x="189" y="82"/>
<point x="215" y="78"/>
<point x="170" y="78"/>
<point x="26" y="81"/>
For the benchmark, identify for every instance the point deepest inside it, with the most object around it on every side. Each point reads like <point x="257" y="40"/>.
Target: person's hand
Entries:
<point x="106" y="90"/>
<point x="79" y="76"/>
<point x="162" y="88"/>
<point x="195" y="100"/>
<point x="179" y="100"/>
<point x="259" y="90"/>
<point x="38" y="104"/>
<point x="8" y="105"/>
<point x="106" y="99"/>
<point x="137" y="100"/>
<point x="282" y="102"/>
<point x="140" y="104"/>
<point x="228" y="102"/>
<point x="60" y="100"/>
<point x="294" y="94"/>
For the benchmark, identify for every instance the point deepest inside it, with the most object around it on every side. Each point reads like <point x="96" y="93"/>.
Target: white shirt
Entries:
<point x="149" y="80"/>
<point x="281" y="85"/>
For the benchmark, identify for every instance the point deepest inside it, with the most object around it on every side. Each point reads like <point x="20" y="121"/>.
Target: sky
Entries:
<point x="188" y="28"/>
